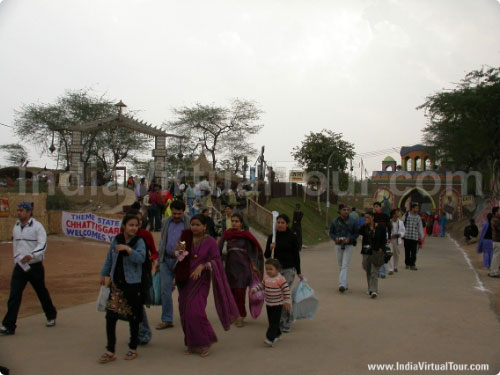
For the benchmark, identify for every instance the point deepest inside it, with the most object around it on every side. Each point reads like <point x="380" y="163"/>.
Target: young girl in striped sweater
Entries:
<point x="277" y="297"/>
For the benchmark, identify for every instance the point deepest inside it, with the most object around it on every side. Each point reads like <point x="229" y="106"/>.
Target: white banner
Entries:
<point x="89" y="225"/>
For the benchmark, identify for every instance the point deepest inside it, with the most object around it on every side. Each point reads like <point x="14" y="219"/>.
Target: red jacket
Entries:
<point x="150" y="243"/>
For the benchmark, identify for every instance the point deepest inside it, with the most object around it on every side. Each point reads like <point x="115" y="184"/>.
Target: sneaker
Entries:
<point x="50" y="323"/>
<point x="286" y="329"/>
<point x="413" y="268"/>
<point x="5" y="331"/>
<point x="495" y="275"/>
<point x="391" y="272"/>
<point x="276" y="339"/>
<point x="342" y="289"/>
<point x="368" y="293"/>
<point x="268" y="342"/>
<point x="382" y="276"/>
<point x="373" y="295"/>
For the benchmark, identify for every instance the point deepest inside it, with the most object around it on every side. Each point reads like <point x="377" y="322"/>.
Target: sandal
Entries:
<point x="205" y="351"/>
<point x="106" y="357"/>
<point x="239" y="322"/>
<point x="130" y="355"/>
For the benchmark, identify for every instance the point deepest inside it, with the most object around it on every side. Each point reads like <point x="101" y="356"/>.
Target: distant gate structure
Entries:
<point x="159" y="153"/>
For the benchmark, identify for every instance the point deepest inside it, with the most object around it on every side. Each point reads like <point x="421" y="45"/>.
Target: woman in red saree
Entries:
<point x="244" y="265"/>
<point x="199" y="266"/>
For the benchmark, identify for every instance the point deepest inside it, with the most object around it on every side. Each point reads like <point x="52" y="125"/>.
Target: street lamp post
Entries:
<point x="328" y="189"/>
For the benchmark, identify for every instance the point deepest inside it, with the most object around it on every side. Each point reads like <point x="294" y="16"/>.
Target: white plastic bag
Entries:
<point x="305" y="303"/>
<point x="102" y="300"/>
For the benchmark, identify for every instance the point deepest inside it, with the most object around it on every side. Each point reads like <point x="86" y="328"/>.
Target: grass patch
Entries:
<point x="313" y="223"/>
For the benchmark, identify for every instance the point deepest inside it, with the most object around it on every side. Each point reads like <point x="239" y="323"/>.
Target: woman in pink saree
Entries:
<point x="199" y="266"/>
<point x="436" y="229"/>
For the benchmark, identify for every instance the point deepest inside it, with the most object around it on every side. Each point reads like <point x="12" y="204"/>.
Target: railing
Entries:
<point x="259" y="214"/>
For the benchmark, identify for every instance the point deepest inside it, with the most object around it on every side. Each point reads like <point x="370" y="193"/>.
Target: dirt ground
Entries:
<point x="71" y="274"/>
<point x="72" y="269"/>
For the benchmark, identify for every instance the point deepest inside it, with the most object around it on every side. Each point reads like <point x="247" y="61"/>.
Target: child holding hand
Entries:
<point x="277" y="297"/>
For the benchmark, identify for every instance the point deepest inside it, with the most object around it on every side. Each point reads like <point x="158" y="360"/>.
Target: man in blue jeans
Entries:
<point x="344" y="231"/>
<point x="170" y="234"/>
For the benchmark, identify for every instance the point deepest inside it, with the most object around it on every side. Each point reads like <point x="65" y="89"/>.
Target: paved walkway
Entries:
<point x="435" y="315"/>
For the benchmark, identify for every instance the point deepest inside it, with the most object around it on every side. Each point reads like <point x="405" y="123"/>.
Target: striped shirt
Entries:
<point x="276" y="290"/>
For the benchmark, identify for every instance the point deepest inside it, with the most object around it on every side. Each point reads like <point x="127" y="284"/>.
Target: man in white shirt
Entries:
<point x="29" y="243"/>
<point x="397" y="234"/>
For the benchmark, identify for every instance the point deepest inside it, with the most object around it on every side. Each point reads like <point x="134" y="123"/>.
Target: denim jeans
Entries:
<point x="344" y="258"/>
<point x="190" y="202"/>
<point x="167" y="282"/>
<point x="144" y="330"/>
<point x="381" y="271"/>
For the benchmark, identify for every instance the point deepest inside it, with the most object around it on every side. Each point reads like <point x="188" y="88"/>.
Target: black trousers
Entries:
<point x="411" y="247"/>
<point x="36" y="277"/>
<point x="273" y="317"/>
<point x="154" y="213"/>
<point x="111" y="333"/>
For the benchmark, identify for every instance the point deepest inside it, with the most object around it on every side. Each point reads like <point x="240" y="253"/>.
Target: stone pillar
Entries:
<point x="159" y="154"/>
<point x="76" y="165"/>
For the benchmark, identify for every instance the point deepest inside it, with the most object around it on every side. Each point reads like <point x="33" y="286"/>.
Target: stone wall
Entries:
<point x="39" y="211"/>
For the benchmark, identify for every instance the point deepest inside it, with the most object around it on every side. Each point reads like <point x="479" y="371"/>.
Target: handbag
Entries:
<point x="102" y="299"/>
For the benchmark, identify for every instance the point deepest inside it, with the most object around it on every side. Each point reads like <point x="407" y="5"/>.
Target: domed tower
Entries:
<point x="389" y="164"/>
<point x="416" y="158"/>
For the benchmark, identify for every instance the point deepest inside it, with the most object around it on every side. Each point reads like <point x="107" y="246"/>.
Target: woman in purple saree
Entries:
<point x="194" y="273"/>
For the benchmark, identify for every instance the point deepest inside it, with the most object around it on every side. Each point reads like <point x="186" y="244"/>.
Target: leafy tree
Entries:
<point x="315" y="151"/>
<point x="213" y="128"/>
<point x="44" y="125"/>
<point x="463" y="124"/>
<point x="16" y="154"/>
<point x="236" y="150"/>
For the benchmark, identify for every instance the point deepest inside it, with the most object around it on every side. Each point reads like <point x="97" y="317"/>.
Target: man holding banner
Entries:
<point x="30" y="243"/>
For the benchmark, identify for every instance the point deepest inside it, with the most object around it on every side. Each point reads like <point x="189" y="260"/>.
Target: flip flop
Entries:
<point x="105" y="358"/>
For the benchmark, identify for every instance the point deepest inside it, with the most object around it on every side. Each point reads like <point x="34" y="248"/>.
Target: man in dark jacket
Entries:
<point x="344" y="232"/>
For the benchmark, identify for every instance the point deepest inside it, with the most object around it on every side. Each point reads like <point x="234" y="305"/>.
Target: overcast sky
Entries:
<point x="358" y="67"/>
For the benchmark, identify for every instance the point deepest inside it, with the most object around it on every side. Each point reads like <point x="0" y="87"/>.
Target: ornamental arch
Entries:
<point x="159" y="152"/>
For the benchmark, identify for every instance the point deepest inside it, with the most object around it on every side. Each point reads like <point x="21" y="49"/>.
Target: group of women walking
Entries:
<point x="131" y="256"/>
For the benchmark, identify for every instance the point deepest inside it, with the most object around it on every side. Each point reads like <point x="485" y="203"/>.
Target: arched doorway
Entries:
<point x="420" y="196"/>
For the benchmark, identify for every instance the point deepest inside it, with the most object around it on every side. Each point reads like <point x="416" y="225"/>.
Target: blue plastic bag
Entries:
<point x="156" y="289"/>
<point x="304" y="302"/>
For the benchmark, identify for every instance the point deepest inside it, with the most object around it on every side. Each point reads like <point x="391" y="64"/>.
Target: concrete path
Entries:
<point x="433" y="315"/>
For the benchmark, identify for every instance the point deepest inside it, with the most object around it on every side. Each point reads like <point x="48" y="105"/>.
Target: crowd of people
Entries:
<point x="193" y="256"/>
<point x="382" y="236"/>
